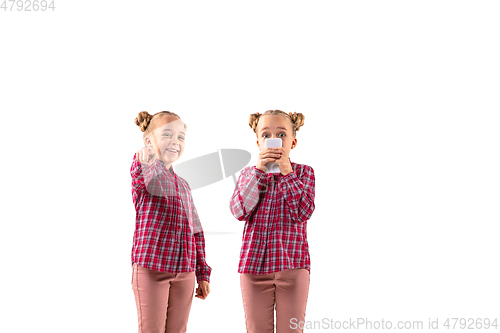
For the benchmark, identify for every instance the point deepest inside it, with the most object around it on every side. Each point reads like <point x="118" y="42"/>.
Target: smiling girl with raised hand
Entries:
<point x="274" y="259"/>
<point x="168" y="245"/>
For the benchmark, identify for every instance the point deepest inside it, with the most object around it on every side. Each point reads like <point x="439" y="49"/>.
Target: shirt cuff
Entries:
<point x="202" y="276"/>
<point x="289" y="175"/>
<point x="257" y="171"/>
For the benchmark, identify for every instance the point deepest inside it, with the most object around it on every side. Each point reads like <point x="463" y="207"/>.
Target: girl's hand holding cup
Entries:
<point x="276" y="155"/>
<point x="283" y="161"/>
<point x="267" y="155"/>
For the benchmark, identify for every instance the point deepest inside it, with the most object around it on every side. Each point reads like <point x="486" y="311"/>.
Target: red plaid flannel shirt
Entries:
<point x="168" y="236"/>
<point x="275" y="209"/>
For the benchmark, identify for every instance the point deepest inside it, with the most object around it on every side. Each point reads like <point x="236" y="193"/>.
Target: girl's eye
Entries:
<point x="265" y="135"/>
<point x="181" y="138"/>
<point x="167" y="134"/>
<point x="282" y="135"/>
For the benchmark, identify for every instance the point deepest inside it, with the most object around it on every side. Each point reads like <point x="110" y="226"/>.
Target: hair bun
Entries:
<point x="297" y="119"/>
<point x="143" y="119"/>
<point x="254" y="120"/>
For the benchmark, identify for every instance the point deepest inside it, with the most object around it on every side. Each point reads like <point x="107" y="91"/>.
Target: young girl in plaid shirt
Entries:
<point x="168" y="246"/>
<point x="274" y="259"/>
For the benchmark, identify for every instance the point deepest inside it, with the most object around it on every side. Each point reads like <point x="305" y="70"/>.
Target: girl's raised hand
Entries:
<point x="267" y="155"/>
<point x="146" y="155"/>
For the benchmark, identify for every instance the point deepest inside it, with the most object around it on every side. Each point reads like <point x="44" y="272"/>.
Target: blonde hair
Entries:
<point x="296" y="119"/>
<point x="148" y="123"/>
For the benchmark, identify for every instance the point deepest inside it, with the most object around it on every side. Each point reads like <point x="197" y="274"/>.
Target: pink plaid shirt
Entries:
<point x="168" y="236"/>
<point x="275" y="209"/>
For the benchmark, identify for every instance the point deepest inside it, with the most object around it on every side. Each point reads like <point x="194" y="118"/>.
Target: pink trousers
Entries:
<point x="163" y="299"/>
<point x="287" y="290"/>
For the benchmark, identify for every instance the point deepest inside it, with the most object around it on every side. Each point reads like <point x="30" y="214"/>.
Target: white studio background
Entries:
<point x="401" y="102"/>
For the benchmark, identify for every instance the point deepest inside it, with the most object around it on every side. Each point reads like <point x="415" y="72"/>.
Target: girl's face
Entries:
<point x="170" y="137"/>
<point x="275" y="126"/>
